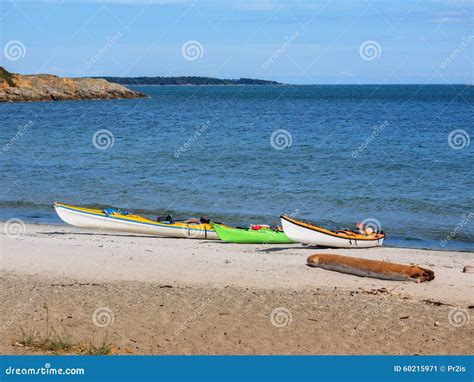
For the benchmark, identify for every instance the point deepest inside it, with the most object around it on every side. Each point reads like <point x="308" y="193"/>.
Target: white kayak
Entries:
<point x="113" y="220"/>
<point x="310" y="234"/>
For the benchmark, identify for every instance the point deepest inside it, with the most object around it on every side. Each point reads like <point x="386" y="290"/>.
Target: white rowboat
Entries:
<point x="120" y="222"/>
<point x="310" y="234"/>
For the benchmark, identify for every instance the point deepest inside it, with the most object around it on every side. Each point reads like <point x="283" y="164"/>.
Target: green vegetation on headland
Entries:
<point x="186" y="80"/>
<point x="6" y="76"/>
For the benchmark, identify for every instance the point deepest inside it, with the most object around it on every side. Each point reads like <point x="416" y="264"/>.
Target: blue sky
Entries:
<point x="301" y="42"/>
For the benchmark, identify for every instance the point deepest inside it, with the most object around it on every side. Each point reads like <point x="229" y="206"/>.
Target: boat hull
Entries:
<point x="116" y="222"/>
<point x="247" y="236"/>
<point x="305" y="233"/>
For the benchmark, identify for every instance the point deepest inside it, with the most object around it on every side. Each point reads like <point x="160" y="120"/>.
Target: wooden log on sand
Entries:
<point x="371" y="268"/>
<point x="468" y="269"/>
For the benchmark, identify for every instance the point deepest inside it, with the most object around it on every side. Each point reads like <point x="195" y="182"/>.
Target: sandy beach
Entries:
<point x="153" y="295"/>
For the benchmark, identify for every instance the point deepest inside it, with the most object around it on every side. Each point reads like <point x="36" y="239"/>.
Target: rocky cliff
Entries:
<point x="46" y="87"/>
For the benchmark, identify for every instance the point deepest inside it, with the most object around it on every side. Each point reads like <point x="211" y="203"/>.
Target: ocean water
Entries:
<point x="396" y="156"/>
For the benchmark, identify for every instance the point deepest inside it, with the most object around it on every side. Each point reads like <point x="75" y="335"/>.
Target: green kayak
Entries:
<point x="249" y="236"/>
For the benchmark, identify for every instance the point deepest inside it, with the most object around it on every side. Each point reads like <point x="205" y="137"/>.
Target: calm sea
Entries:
<point x="397" y="156"/>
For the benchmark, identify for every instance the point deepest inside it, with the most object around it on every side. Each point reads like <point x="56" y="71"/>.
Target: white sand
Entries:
<point x="62" y="251"/>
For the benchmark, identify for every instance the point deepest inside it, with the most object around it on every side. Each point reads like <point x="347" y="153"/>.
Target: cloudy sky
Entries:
<point x="301" y="42"/>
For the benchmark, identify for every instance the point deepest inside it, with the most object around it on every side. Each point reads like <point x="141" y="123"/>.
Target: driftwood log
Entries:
<point x="371" y="268"/>
<point x="468" y="269"/>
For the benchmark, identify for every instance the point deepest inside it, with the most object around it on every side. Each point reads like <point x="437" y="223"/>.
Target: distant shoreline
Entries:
<point x="184" y="85"/>
<point x="185" y="81"/>
<point x="283" y="84"/>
